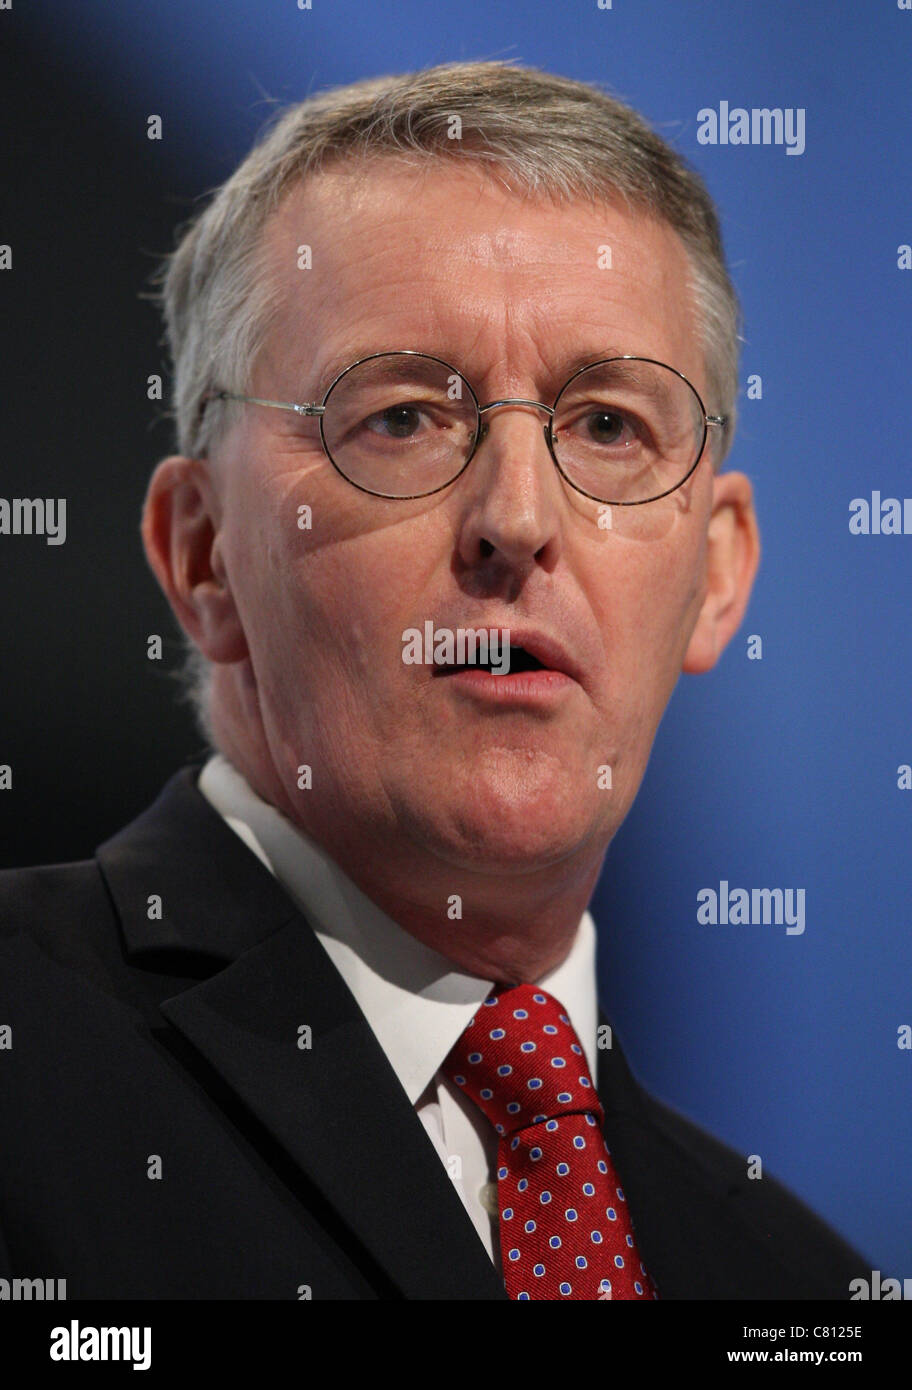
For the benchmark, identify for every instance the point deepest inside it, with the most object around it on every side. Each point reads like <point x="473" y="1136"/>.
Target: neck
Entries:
<point x="508" y="926"/>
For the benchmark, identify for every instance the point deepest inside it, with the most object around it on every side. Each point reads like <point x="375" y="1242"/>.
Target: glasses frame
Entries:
<point x="318" y="410"/>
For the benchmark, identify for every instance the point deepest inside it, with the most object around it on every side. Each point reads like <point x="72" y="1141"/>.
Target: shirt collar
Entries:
<point x="414" y="999"/>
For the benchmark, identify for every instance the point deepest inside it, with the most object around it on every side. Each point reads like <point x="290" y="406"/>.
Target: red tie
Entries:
<point x="564" y="1227"/>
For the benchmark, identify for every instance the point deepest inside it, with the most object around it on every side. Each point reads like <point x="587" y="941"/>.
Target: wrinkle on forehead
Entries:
<point x="510" y="246"/>
<point x="395" y="267"/>
<point x="462" y="210"/>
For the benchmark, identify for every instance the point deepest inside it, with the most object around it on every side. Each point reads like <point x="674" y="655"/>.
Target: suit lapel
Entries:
<point x="634" y="1158"/>
<point x="685" y="1231"/>
<point x="336" y="1106"/>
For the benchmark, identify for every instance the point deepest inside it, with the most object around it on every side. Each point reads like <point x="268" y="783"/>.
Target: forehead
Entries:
<point x="447" y="260"/>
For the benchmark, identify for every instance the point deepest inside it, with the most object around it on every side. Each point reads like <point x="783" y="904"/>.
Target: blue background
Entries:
<point x="779" y="772"/>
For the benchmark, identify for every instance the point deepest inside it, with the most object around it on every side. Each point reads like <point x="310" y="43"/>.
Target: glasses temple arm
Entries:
<point x="306" y="409"/>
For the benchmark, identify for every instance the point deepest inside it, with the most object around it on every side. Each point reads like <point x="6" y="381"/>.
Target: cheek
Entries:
<point x="647" y="604"/>
<point x="333" y="610"/>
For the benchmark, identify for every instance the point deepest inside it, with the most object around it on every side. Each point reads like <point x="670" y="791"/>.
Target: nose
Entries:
<point x="513" y="497"/>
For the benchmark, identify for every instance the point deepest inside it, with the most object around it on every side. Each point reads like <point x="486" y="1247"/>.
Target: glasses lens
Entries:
<point x="400" y="425"/>
<point x="627" y="430"/>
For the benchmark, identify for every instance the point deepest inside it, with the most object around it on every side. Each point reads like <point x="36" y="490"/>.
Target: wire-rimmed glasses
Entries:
<point x="401" y="425"/>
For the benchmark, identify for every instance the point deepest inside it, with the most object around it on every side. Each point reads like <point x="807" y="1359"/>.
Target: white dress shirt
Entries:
<point x="414" y="999"/>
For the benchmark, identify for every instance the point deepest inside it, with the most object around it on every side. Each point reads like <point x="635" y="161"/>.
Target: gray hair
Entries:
<point x="540" y="134"/>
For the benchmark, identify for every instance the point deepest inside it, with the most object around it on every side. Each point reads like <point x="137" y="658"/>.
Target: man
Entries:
<point x="455" y="367"/>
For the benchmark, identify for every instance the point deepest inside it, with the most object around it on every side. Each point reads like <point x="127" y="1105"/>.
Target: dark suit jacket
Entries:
<point x="135" y="1036"/>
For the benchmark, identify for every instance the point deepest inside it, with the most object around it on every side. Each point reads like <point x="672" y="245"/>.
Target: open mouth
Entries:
<point x="520" y="661"/>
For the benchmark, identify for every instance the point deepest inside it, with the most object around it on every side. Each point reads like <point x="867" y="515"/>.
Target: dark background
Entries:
<point x="89" y="725"/>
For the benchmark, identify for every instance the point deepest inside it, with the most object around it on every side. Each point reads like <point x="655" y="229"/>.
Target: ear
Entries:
<point x="732" y="557"/>
<point x="180" y="532"/>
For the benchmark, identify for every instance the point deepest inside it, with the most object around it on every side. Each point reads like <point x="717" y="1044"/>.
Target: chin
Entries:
<point x="510" y="836"/>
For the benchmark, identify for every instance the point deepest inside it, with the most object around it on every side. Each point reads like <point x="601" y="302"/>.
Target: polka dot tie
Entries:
<point x="565" y="1231"/>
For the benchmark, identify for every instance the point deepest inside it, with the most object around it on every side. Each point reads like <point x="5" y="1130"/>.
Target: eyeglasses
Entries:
<point x="401" y="425"/>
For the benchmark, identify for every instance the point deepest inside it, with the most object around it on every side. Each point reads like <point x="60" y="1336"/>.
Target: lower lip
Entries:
<point x="522" y="687"/>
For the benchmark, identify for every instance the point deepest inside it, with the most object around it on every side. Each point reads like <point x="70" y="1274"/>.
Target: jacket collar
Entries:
<point x="267" y="977"/>
<point x="181" y="881"/>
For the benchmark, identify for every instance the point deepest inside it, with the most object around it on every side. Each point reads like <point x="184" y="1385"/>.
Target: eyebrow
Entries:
<point x="340" y="360"/>
<point x="584" y="359"/>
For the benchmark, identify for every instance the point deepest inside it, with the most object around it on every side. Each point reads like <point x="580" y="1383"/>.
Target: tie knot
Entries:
<point x="521" y="1061"/>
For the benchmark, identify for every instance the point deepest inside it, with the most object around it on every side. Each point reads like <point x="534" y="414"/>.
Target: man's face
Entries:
<point x="513" y="293"/>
